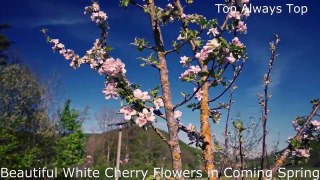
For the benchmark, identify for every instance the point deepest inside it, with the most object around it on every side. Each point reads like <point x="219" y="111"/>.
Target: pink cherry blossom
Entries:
<point x="199" y="94"/>
<point x="177" y="114"/>
<point x="145" y="117"/>
<point x="245" y="1"/>
<point x="202" y="55"/>
<point x="95" y="6"/>
<point x="128" y="112"/>
<point x="302" y="153"/>
<point x="213" y="31"/>
<point x="113" y="67"/>
<point x="97" y="16"/>
<point x="141" y="95"/>
<point x="230" y="58"/>
<point x="148" y="114"/>
<point x="191" y="72"/>
<point x="242" y="27"/>
<point x="316" y="124"/>
<point x="140" y="121"/>
<point x="234" y="14"/>
<point x="184" y="60"/>
<point x="191" y="128"/>
<point x="194" y="69"/>
<point x="245" y="12"/>
<point x="237" y="42"/>
<point x="110" y="90"/>
<point x="211" y="45"/>
<point x="54" y="41"/>
<point x="158" y="103"/>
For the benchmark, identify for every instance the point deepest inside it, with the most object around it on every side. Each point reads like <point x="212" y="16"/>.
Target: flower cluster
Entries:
<point x="237" y="42"/>
<point x="241" y="27"/>
<point x="146" y="116"/>
<point x="96" y="58"/>
<point x="190" y="73"/>
<point x="141" y="95"/>
<point x="210" y="46"/>
<point x="230" y="58"/>
<point x="237" y="15"/>
<point x="140" y="118"/>
<point x="302" y="153"/>
<point x="193" y="18"/>
<point x="184" y="60"/>
<point x="111" y="90"/>
<point x="158" y="103"/>
<point x="113" y="67"/>
<point x="316" y="124"/>
<point x="128" y="112"/>
<point x="308" y="132"/>
<point x="97" y="16"/>
<point x="68" y="54"/>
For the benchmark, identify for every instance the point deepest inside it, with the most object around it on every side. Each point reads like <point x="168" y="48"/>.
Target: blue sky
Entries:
<point x="295" y="76"/>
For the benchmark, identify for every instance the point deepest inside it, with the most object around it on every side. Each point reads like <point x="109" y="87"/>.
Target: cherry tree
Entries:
<point x="215" y="54"/>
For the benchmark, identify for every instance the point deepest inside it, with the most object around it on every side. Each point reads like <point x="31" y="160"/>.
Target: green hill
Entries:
<point x="142" y="149"/>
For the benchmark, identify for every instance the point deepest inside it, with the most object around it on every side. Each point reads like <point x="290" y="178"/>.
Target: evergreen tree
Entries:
<point x="71" y="143"/>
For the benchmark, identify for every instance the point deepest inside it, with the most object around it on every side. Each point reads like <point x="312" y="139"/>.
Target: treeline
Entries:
<point x="30" y="137"/>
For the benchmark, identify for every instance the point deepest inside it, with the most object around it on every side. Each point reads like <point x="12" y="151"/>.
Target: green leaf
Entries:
<point x="202" y="74"/>
<point x="108" y="48"/>
<point x="224" y="83"/>
<point x="124" y="3"/>
<point x="155" y="91"/>
<point x="214" y="83"/>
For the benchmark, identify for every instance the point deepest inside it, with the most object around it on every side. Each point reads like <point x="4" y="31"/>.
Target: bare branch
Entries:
<point x="230" y="85"/>
<point x="163" y="138"/>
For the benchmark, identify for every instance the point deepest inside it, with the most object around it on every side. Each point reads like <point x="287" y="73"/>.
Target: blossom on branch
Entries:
<point x="97" y="16"/>
<point x="316" y="124"/>
<point x="230" y="58"/>
<point x="177" y="114"/>
<point x="190" y="73"/>
<point x="145" y="117"/>
<point x="237" y="42"/>
<point x="141" y="95"/>
<point x="158" y="103"/>
<point x="110" y="90"/>
<point x="113" y="67"/>
<point x="199" y="94"/>
<point x="242" y="27"/>
<point x="128" y="112"/>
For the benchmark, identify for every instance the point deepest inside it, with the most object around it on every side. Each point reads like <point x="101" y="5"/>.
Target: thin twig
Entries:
<point x="162" y="137"/>
<point x="264" y="104"/>
<point x="230" y="85"/>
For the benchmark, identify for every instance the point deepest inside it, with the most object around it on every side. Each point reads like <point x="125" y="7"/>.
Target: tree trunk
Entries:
<point x="166" y="91"/>
<point x="207" y="147"/>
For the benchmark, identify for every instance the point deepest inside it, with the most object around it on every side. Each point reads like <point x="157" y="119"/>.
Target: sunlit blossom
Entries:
<point x="141" y="95"/>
